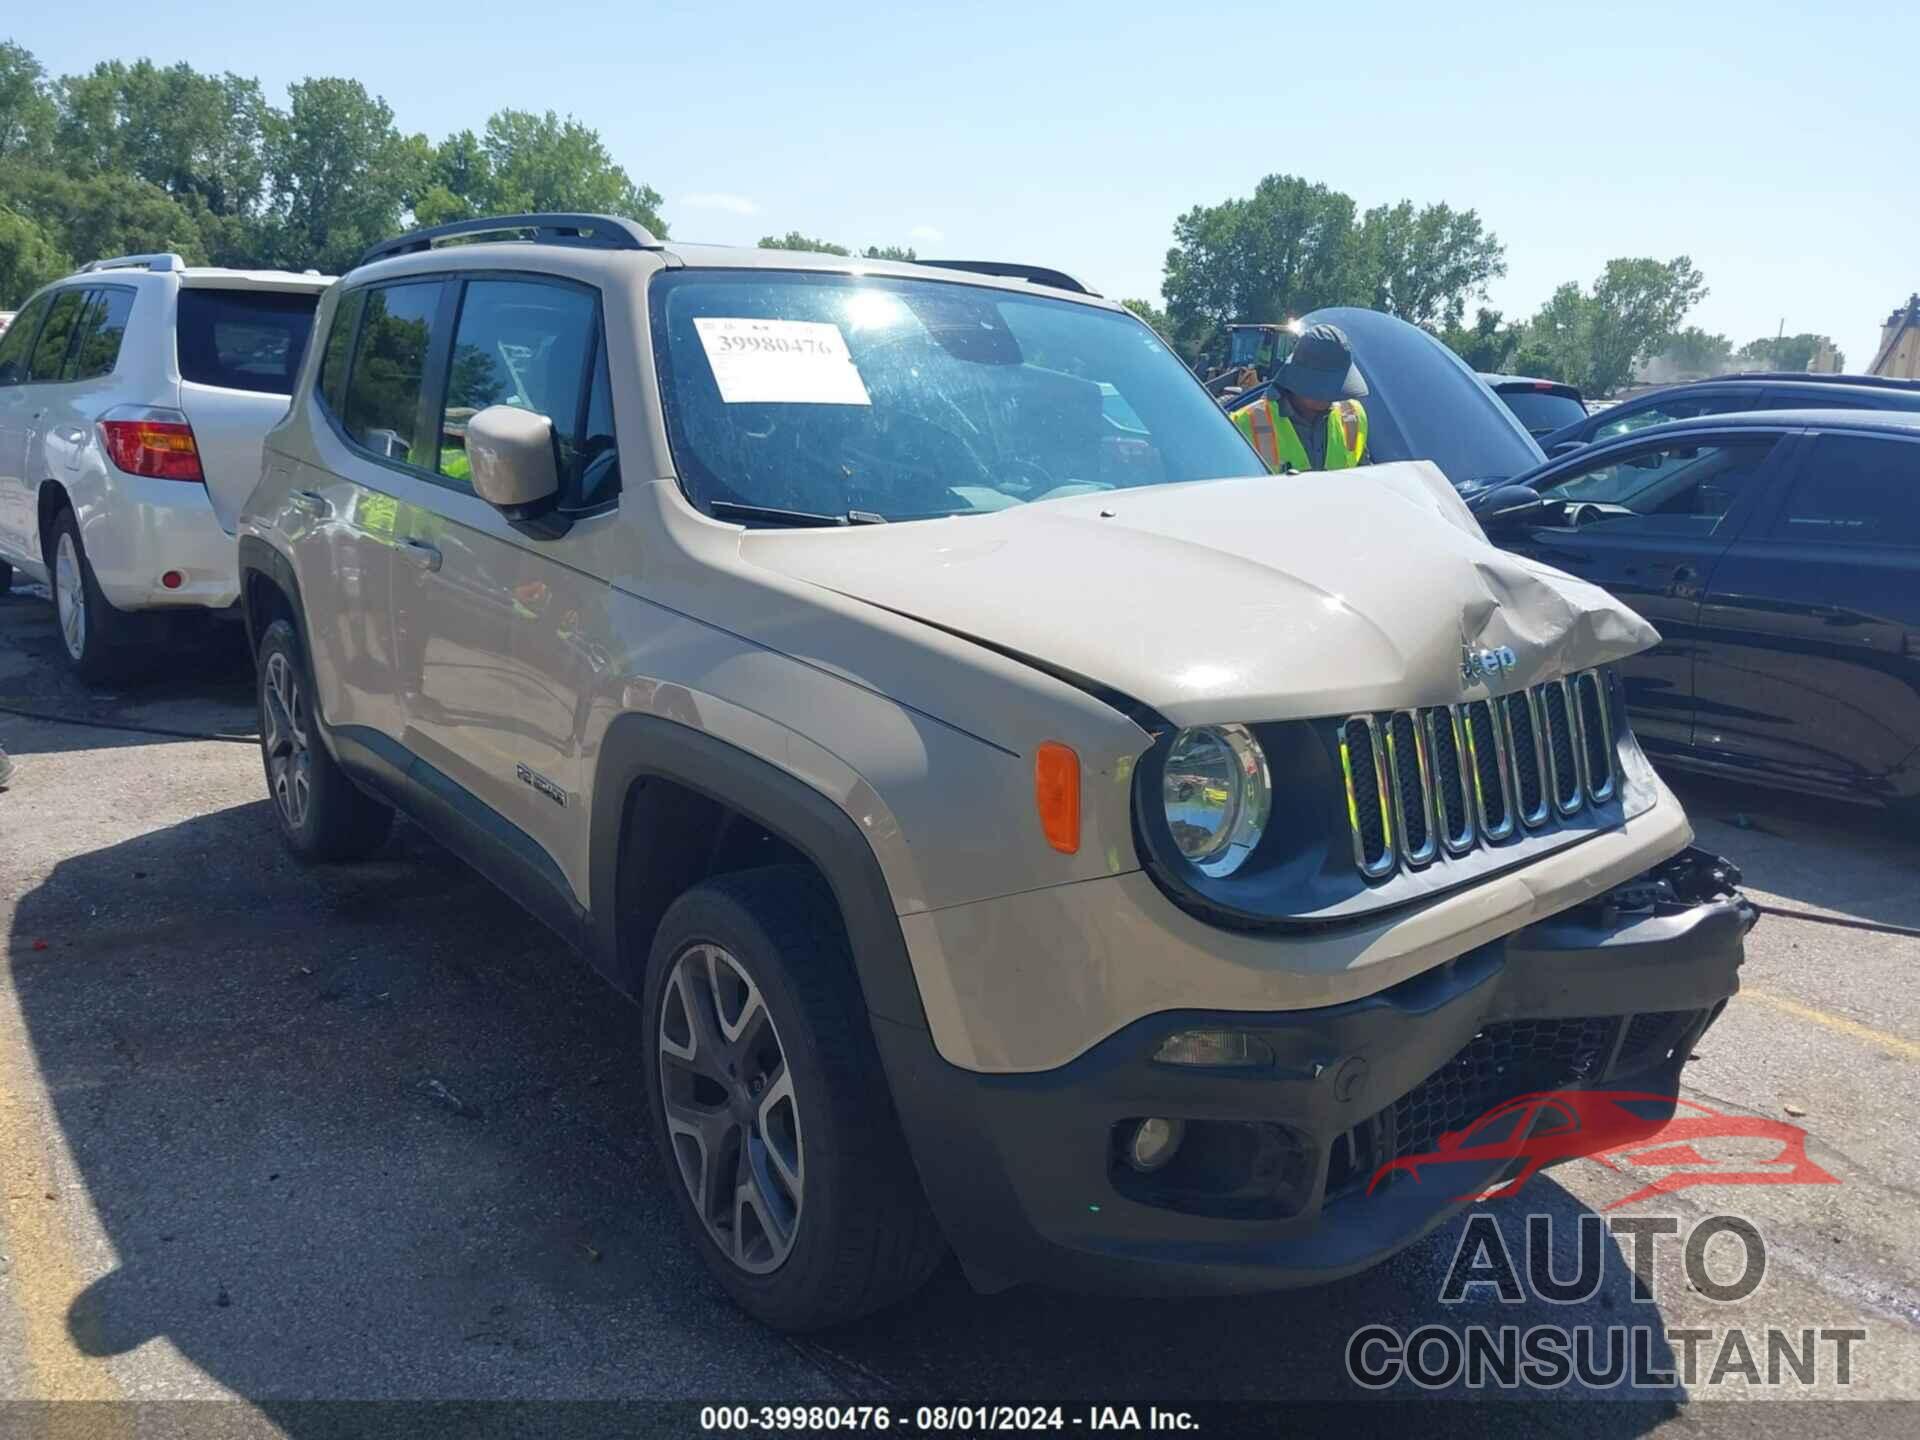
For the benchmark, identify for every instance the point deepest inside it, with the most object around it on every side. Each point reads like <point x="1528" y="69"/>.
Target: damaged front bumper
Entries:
<point x="1028" y="1172"/>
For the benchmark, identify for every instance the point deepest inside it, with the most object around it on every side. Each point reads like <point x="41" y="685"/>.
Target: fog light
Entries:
<point x="1154" y="1142"/>
<point x="1226" y="1049"/>
<point x="173" y="579"/>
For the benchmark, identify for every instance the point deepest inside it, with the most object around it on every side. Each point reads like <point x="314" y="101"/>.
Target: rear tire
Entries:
<point x="6" y="577"/>
<point x="322" y="814"/>
<point x="775" y="1091"/>
<point x="85" y="618"/>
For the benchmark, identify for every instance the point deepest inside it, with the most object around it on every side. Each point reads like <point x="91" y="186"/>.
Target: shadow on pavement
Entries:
<point x="199" y="686"/>
<point x="370" y="1132"/>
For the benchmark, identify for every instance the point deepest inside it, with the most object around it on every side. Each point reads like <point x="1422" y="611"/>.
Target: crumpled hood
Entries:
<point x="1260" y="599"/>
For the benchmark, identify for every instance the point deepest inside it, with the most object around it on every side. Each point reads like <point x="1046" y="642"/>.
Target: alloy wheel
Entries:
<point x="70" y="596"/>
<point x="284" y="737"/>
<point x="731" y="1111"/>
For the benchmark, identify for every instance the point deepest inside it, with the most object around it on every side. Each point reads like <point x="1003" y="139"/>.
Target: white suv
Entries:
<point x="133" y="399"/>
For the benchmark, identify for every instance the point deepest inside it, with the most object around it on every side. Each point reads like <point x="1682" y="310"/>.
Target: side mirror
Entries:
<point x="1508" y="507"/>
<point x="516" y="466"/>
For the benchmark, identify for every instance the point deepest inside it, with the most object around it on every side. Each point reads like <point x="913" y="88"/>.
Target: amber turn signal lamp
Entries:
<point x="1056" y="795"/>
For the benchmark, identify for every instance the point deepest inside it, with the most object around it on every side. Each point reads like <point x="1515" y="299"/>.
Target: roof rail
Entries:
<point x="1817" y="377"/>
<point x="1034" y="274"/>
<point x="160" y="260"/>
<point x="605" y="232"/>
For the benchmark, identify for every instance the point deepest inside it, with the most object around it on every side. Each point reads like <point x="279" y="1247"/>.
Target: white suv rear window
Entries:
<point x="244" y="339"/>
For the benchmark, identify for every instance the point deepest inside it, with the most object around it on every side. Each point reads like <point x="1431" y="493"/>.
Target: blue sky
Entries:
<point x="1773" y="144"/>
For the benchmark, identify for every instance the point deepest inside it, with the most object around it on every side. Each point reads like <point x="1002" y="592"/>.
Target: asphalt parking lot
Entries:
<point x="286" y="1135"/>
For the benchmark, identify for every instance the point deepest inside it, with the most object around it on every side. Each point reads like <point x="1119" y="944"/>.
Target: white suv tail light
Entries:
<point x="149" y="440"/>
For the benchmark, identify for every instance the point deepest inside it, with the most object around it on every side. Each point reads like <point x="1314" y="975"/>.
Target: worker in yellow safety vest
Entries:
<point x="1310" y="417"/>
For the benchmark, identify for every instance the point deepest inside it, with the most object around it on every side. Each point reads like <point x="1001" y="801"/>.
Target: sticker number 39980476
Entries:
<point x="801" y="362"/>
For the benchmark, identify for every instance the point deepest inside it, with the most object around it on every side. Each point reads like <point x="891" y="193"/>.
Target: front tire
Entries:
<point x="770" y="1110"/>
<point x="322" y="815"/>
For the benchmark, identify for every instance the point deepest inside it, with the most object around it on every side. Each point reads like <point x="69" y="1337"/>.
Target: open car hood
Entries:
<point x="1257" y="599"/>
<point x="1424" y="403"/>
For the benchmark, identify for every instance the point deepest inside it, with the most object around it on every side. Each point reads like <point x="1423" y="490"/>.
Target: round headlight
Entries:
<point x="1217" y="795"/>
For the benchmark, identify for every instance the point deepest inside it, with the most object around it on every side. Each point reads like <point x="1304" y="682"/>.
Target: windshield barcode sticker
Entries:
<point x="793" y="362"/>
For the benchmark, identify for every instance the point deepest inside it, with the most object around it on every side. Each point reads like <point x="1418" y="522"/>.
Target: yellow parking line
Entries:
<point x="44" y="1276"/>
<point x="1893" y="1044"/>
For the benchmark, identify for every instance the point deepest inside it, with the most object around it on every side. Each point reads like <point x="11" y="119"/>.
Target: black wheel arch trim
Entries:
<point x="637" y="747"/>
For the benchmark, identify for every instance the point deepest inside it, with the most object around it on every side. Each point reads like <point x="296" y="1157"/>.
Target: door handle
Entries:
<point x="311" y="502"/>
<point x="1681" y="585"/>
<point x="423" y="555"/>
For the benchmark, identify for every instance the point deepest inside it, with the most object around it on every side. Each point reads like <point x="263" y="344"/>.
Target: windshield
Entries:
<point x="869" y="398"/>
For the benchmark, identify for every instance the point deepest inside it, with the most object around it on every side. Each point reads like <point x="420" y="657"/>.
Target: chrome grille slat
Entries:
<point x="1520" y="714"/>
<point x="1492" y="776"/>
<point x="1452" y="795"/>
<point x="1441" y="782"/>
<point x="1555" y="709"/>
<point x="1363" y="763"/>
<point x="1412" y="780"/>
<point x="1595" y="721"/>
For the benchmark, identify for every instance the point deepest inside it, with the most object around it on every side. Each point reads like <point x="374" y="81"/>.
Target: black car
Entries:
<point x="1733" y="394"/>
<point x="1778" y="553"/>
<point x="1543" y="406"/>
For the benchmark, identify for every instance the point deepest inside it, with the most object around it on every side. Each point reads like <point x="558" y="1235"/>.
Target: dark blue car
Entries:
<point x="1778" y="552"/>
<point x="1733" y="394"/>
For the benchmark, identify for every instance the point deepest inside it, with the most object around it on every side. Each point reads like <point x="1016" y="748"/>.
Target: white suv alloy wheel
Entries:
<point x="70" y="596"/>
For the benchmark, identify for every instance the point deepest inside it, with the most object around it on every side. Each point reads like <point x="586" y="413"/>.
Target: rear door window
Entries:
<point x="18" y="340"/>
<point x="102" y="329"/>
<point x="389" y="369"/>
<point x="1855" y="490"/>
<point x="50" y="350"/>
<point x="524" y="343"/>
<point x="244" y="339"/>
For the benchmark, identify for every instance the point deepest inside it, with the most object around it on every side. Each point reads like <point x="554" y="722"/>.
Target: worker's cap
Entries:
<point x="1321" y="366"/>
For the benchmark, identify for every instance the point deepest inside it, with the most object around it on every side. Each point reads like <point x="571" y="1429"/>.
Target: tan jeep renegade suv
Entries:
<point x="1026" y="826"/>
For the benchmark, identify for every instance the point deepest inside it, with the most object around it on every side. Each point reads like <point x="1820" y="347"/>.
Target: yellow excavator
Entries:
<point x="1252" y="353"/>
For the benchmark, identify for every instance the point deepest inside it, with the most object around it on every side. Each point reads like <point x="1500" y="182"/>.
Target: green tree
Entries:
<point x="1693" y="351"/>
<point x="1486" y="345"/>
<point x="1152" y="314"/>
<point x="889" y="252"/>
<point x="1424" y="264"/>
<point x="794" y="240"/>
<point x="192" y="135"/>
<point x="1637" y="306"/>
<point x="28" y="114"/>
<point x="1788" y="352"/>
<point x="1284" y="250"/>
<point x="528" y="162"/>
<point x="29" y="258"/>
<point x="102" y="215"/>
<point x="1557" y="342"/>
<point x="1595" y="340"/>
<point x="340" y="174"/>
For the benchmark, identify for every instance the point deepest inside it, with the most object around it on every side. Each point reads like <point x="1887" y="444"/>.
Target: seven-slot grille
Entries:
<point x="1448" y="778"/>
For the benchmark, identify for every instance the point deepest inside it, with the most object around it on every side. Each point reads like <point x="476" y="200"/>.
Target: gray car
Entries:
<point x="1026" y="827"/>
